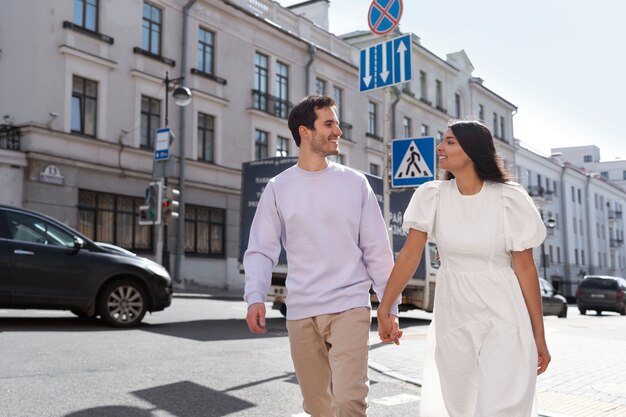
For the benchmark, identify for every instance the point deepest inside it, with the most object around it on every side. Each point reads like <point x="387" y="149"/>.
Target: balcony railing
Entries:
<point x="270" y="104"/>
<point x="10" y="137"/>
<point x="346" y="128"/>
<point x="615" y="215"/>
<point x="616" y="243"/>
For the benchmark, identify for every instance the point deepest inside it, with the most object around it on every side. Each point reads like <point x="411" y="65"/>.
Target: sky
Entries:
<point x="561" y="62"/>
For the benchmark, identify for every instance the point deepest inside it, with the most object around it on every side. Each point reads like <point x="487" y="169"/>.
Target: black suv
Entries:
<point x="601" y="293"/>
<point x="45" y="264"/>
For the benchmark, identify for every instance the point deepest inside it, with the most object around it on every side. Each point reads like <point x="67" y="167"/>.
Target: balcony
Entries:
<point x="614" y="215"/>
<point x="616" y="243"/>
<point x="346" y="128"/>
<point x="270" y="104"/>
<point x="10" y="137"/>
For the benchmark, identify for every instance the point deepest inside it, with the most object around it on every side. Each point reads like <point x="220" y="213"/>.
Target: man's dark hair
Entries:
<point x="477" y="142"/>
<point x="303" y="114"/>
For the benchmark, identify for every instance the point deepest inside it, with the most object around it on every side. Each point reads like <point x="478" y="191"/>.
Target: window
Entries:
<point x="580" y="201"/>
<point x="282" y="90"/>
<point x="424" y="130"/>
<point x="282" y="146"/>
<point x="502" y="127"/>
<point x="406" y="123"/>
<point x="113" y="219"/>
<point x="439" y="136"/>
<point x="338" y="97"/>
<point x="86" y="14"/>
<point x="481" y="112"/>
<point x="340" y="159"/>
<point x="320" y="86"/>
<point x="604" y="174"/>
<point x="260" y="144"/>
<point x="558" y="254"/>
<point x="551" y="255"/>
<point x="573" y="195"/>
<point x="457" y="105"/>
<point x="204" y="230"/>
<point x="150" y="120"/>
<point x="206" y="46"/>
<point x="27" y="228"/>
<point x="206" y="137"/>
<point x="371" y="118"/>
<point x="495" y="125"/>
<point x="84" y="105"/>
<point x="151" y="29"/>
<point x="624" y="175"/>
<point x="554" y="188"/>
<point x="375" y="169"/>
<point x="260" y="81"/>
<point x="438" y="94"/>
<point x="587" y="158"/>
<point x="423" y="86"/>
<point x="575" y="226"/>
<point x="576" y="256"/>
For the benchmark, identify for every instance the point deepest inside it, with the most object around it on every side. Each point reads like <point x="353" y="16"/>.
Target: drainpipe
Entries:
<point x="567" y="276"/>
<point x="312" y="51"/>
<point x="396" y="91"/>
<point x="180" y="236"/>
<point x="590" y="250"/>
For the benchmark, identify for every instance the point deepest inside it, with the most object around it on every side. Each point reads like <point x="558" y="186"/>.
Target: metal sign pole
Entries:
<point x="386" y="162"/>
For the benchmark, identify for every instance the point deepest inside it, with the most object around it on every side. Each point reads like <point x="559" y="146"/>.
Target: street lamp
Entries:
<point x="182" y="97"/>
<point x="550" y="225"/>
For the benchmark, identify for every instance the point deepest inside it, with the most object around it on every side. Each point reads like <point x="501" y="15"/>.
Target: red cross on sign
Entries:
<point x="384" y="16"/>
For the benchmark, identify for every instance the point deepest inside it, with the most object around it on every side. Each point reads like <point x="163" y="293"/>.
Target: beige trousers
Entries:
<point x="329" y="355"/>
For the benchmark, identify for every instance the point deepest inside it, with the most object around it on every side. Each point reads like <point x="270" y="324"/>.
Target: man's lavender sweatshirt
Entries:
<point x="335" y="237"/>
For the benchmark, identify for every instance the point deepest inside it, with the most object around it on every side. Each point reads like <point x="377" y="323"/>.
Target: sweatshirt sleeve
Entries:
<point x="263" y="248"/>
<point x="374" y="242"/>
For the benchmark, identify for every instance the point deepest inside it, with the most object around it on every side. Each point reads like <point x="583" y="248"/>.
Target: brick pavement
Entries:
<point x="587" y="377"/>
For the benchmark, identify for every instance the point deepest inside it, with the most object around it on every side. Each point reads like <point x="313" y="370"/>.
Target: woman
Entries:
<point x="489" y="342"/>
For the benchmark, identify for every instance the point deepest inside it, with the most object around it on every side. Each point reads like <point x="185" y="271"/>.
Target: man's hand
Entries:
<point x="256" y="318"/>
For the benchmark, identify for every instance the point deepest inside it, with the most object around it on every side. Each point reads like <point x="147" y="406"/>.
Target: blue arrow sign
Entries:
<point x="413" y="161"/>
<point x="385" y="64"/>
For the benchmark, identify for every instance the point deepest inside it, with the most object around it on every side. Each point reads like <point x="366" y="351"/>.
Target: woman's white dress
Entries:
<point x="485" y="358"/>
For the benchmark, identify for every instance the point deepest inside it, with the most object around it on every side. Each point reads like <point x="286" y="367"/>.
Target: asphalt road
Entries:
<point x="196" y="358"/>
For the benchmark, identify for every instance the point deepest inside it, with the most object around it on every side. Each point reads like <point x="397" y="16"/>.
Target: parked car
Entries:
<point x="554" y="304"/>
<point x="45" y="264"/>
<point x="601" y="293"/>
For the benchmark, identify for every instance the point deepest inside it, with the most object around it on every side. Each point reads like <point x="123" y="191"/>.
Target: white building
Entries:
<point x="83" y="92"/>
<point x="588" y="157"/>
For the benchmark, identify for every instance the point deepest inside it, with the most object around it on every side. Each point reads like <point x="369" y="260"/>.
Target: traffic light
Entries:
<point x="170" y="203"/>
<point x="150" y="211"/>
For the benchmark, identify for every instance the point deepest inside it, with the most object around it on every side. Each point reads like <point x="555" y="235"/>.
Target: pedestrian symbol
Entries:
<point x="413" y="161"/>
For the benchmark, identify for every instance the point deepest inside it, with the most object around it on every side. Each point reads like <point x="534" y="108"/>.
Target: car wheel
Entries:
<point x="283" y="310"/>
<point x="563" y="312"/>
<point x="622" y="312"/>
<point x="583" y="311"/>
<point x="122" y="303"/>
<point x="599" y="312"/>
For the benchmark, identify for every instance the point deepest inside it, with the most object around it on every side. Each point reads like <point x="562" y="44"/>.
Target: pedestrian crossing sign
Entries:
<point x="413" y="161"/>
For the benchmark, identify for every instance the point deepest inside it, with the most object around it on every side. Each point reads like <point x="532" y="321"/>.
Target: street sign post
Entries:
<point x="385" y="64"/>
<point x="413" y="161"/>
<point x="162" y="145"/>
<point x="384" y="15"/>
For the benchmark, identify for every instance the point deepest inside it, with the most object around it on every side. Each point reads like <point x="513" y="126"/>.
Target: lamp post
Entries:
<point x="550" y="225"/>
<point x="182" y="97"/>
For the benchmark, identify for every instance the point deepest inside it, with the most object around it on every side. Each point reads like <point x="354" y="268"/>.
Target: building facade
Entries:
<point x="83" y="91"/>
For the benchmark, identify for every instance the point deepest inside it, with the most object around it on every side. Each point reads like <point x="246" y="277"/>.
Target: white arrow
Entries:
<point x="368" y="78"/>
<point x="401" y="50"/>
<point x="384" y="74"/>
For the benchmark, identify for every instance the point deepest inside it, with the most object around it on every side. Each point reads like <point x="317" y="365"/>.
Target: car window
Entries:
<point x="26" y="228"/>
<point x="546" y="288"/>
<point x="599" y="284"/>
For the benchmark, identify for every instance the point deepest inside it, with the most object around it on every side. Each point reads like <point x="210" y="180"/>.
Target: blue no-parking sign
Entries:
<point x="413" y="161"/>
<point x="384" y="15"/>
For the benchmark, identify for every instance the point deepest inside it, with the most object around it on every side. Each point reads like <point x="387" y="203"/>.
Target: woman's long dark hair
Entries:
<point x="476" y="140"/>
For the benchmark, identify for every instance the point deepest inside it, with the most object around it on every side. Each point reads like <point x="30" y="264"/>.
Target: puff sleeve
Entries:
<point x="523" y="226"/>
<point x="422" y="209"/>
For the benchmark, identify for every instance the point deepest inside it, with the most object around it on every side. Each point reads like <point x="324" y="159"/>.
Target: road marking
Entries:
<point x="397" y="399"/>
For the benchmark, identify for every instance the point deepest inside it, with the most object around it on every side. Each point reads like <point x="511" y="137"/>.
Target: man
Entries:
<point x="328" y="219"/>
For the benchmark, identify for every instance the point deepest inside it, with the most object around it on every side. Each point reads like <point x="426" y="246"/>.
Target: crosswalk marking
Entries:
<point x="397" y="399"/>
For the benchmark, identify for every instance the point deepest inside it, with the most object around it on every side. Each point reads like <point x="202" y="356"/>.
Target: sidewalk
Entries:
<point x="575" y="386"/>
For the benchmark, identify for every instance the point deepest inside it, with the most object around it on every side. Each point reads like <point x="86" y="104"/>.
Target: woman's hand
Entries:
<point x="388" y="328"/>
<point x="544" y="357"/>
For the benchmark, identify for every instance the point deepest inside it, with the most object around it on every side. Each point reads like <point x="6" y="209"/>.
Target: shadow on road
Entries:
<point x="52" y="324"/>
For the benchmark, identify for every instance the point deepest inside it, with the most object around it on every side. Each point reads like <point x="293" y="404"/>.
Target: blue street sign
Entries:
<point x="413" y="161"/>
<point x="162" y="144"/>
<point x="385" y="64"/>
<point x="384" y="15"/>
